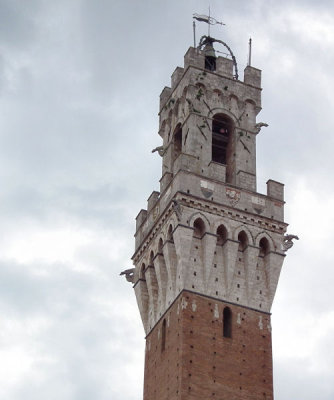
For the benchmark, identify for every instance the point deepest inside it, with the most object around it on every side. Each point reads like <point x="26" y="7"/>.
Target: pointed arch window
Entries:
<point x="227" y="322"/>
<point x="243" y="240"/>
<point x="199" y="228"/>
<point x="221" y="235"/>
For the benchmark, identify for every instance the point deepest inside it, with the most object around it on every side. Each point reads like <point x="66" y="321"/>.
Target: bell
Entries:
<point x="209" y="51"/>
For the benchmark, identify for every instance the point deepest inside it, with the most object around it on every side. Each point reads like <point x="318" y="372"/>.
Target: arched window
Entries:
<point x="163" y="335"/>
<point x="227" y="322"/>
<point x="177" y="142"/>
<point x="264" y="247"/>
<point x="199" y="228"/>
<point x="243" y="240"/>
<point x="221" y="132"/>
<point x="221" y="234"/>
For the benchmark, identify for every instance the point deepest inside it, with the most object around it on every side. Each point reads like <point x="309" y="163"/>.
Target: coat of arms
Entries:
<point x="233" y="196"/>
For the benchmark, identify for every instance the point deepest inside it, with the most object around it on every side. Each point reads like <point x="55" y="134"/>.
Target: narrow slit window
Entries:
<point x="227" y="322"/>
<point x="163" y="336"/>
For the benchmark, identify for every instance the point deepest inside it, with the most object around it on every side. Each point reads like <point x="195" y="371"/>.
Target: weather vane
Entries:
<point x="204" y="18"/>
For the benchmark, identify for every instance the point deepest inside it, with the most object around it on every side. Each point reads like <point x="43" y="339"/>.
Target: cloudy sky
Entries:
<point x="79" y="88"/>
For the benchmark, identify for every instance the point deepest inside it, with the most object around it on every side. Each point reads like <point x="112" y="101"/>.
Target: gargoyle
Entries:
<point x="287" y="241"/>
<point x="259" y="125"/>
<point x="129" y="274"/>
<point x="160" y="149"/>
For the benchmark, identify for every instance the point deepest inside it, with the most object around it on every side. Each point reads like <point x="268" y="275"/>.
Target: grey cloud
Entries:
<point x="80" y="84"/>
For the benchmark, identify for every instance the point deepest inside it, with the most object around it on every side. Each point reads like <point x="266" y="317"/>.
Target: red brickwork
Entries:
<point x="198" y="363"/>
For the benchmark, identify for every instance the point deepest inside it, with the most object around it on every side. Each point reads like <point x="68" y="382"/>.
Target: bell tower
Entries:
<point x="209" y="248"/>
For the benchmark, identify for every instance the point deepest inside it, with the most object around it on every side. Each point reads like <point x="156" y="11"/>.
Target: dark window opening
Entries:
<point x="221" y="129"/>
<point x="264" y="247"/>
<point x="170" y="234"/>
<point x="163" y="335"/>
<point x="151" y="258"/>
<point x="227" y="322"/>
<point x="222" y="235"/>
<point x="177" y="142"/>
<point x="210" y="63"/>
<point x="142" y="272"/>
<point x="243" y="241"/>
<point x="199" y="228"/>
<point x="160" y="246"/>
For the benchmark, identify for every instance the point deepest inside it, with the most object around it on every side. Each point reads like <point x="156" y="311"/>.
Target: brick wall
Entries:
<point x="199" y="363"/>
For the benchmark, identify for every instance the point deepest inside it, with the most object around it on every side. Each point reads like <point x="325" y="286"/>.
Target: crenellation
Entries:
<point x="176" y="76"/>
<point x="165" y="95"/>
<point x="275" y="190"/>
<point x="252" y="76"/>
<point x="193" y="58"/>
<point x="141" y="217"/>
<point x="165" y="181"/>
<point x="152" y="200"/>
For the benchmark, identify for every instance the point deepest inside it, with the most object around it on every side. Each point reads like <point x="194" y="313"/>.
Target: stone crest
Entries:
<point x="233" y="196"/>
<point x="207" y="189"/>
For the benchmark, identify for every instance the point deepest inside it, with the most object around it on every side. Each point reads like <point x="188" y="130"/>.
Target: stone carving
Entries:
<point x="160" y="149"/>
<point x="287" y="241"/>
<point x="177" y="208"/>
<point x="259" y="125"/>
<point x="233" y="196"/>
<point x="129" y="274"/>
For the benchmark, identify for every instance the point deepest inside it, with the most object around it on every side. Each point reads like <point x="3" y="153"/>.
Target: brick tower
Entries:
<point x="209" y="248"/>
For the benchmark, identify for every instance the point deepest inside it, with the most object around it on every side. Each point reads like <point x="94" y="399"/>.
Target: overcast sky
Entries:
<point x="79" y="92"/>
